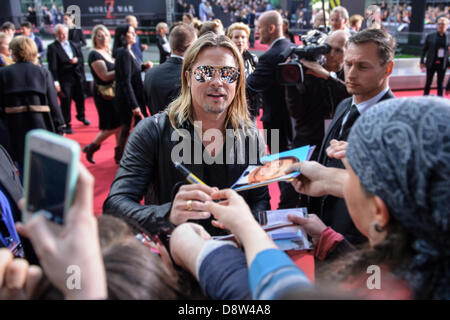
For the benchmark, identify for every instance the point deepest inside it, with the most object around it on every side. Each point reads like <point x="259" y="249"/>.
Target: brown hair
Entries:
<point x="354" y="19"/>
<point x="181" y="108"/>
<point x="133" y="271"/>
<point x="23" y="49"/>
<point x="209" y="26"/>
<point x="385" y="43"/>
<point x="181" y="36"/>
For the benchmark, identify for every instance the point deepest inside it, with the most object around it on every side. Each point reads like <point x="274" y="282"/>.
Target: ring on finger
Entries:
<point x="189" y="205"/>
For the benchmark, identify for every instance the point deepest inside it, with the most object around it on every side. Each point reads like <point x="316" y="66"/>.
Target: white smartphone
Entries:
<point x="50" y="175"/>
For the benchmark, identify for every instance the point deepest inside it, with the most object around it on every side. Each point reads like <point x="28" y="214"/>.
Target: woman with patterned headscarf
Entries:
<point x="397" y="192"/>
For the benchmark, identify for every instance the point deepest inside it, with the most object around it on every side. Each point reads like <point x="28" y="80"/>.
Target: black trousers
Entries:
<point x="440" y="79"/>
<point x="71" y="90"/>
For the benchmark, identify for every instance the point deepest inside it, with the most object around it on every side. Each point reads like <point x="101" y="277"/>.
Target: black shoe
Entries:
<point x="68" y="130"/>
<point x="85" y="121"/>
<point x="90" y="149"/>
<point x="118" y="151"/>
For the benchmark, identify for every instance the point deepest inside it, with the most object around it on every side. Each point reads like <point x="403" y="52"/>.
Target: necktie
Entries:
<point x="351" y="118"/>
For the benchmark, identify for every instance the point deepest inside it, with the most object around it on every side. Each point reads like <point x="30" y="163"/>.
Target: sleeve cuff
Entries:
<point x="266" y="262"/>
<point x="329" y="239"/>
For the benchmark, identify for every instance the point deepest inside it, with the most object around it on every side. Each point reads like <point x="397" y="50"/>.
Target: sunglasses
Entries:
<point x="206" y="73"/>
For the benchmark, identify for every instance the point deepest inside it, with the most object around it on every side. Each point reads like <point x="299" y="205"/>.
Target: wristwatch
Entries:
<point x="332" y="75"/>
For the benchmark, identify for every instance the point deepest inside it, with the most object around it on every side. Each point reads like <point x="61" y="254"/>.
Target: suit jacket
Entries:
<point x="76" y="35"/>
<point x="163" y="53"/>
<point x="429" y="48"/>
<point x="137" y="50"/>
<point x="162" y="84"/>
<point x="333" y="211"/>
<point x="264" y="80"/>
<point x="39" y="46"/>
<point x="60" y="67"/>
<point x="129" y="88"/>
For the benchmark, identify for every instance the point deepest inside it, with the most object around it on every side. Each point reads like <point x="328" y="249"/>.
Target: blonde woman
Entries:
<point x="28" y="97"/>
<point x="5" y="54"/>
<point x="101" y="64"/>
<point x="239" y="33"/>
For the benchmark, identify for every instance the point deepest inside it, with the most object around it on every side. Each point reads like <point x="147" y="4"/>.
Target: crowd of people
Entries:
<point x="376" y="186"/>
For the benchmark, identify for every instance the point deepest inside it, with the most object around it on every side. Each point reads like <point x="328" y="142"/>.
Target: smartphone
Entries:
<point x="50" y="174"/>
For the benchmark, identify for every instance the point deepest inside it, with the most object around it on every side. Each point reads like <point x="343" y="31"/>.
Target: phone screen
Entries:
<point x="47" y="186"/>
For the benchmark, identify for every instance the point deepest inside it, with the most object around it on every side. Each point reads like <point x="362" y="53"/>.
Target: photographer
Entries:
<point x="313" y="102"/>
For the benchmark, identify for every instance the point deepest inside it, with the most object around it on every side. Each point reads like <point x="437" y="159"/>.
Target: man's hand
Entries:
<point x="312" y="180"/>
<point x="144" y="47"/>
<point x="312" y="225"/>
<point x="337" y="149"/>
<point x="18" y="279"/>
<point x="189" y="203"/>
<point x="58" y="88"/>
<point x="315" y="69"/>
<point x="422" y="67"/>
<point x="74" y="60"/>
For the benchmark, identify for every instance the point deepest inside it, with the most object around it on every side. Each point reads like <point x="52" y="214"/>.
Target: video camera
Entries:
<point x="314" y="47"/>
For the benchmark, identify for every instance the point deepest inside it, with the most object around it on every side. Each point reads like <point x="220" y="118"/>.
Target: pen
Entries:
<point x="189" y="176"/>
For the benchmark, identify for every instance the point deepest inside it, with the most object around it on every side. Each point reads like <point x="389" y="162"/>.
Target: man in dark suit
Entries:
<point x="436" y="50"/>
<point x="161" y="41"/>
<point x="66" y="64"/>
<point x="162" y="83"/>
<point x="368" y="63"/>
<point x="264" y="80"/>
<point x="75" y="34"/>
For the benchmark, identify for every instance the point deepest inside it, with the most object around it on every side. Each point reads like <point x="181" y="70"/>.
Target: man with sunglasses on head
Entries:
<point x="208" y="129"/>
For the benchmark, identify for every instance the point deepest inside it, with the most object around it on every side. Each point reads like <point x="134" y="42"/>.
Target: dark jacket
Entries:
<point x="310" y="103"/>
<point x="429" y="49"/>
<point x="163" y="53"/>
<point x="129" y="88"/>
<point x="40" y="47"/>
<point x="60" y="67"/>
<point x="333" y="211"/>
<point x="162" y="84"/>
<point x="76" y="36"/>
<point x="264" y="80"/>
<point x="34" y="87"/>
<point x="146" y="169"/>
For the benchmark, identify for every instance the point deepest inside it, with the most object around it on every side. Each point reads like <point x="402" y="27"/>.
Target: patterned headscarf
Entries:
<point x="400" y="151"/>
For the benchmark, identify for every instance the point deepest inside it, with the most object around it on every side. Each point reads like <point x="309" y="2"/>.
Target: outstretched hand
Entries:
<point x="75" y="246"/>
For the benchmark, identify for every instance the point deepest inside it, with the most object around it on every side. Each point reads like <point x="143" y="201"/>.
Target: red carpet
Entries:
<point x="105" y="169"/>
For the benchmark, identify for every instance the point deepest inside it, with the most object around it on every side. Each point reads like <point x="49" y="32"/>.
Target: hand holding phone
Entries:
<point x="51" y="172"/>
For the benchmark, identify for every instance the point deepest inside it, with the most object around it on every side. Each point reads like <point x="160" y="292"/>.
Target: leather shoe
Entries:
<point x="85" y="121"/>
<point x="68" y="130"/>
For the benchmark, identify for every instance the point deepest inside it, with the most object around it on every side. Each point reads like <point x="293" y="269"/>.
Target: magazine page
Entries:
<point x="272" y="169"/>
